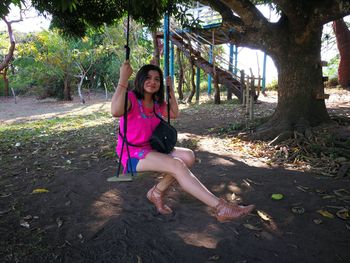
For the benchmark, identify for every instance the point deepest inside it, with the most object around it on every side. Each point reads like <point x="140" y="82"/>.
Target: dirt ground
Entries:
<point x="84" y="218"/>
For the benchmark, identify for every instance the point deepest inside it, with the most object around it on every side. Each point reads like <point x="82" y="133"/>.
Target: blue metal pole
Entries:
<point x="236" y="58"/>
<point x="210" y="61"/>
<point x="230" y="66"/>
<point x="166" y="47"/>
<point x="172" y="69"/>
<point x="263" y="83"/>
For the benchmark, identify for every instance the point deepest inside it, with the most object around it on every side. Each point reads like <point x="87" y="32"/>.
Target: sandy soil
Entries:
<point x="83" y="218"/>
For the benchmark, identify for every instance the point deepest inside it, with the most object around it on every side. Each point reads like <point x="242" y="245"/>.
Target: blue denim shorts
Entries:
<point x="131" y="165"/>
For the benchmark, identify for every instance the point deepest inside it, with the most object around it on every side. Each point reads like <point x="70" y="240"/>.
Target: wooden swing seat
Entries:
<point x="128" y="177"/>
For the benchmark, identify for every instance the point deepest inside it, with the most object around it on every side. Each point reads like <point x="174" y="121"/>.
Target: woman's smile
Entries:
<point x="152" y="83"/>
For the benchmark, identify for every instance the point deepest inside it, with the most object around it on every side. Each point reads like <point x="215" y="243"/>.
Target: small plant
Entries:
<point x="332" y="83"/>
<point x="273" y="85"/>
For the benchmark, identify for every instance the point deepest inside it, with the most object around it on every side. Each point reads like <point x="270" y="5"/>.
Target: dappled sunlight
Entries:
<point x="207" y="237"/>
<point x="222" y="161"/>
<point x="51" y="115"/>
<point x="31" y="109"/>
<point x="233" y="188"/>
<point x="263" y="225"/>
<point x="55" y="126"/>
<point x="233" y="149"/>
<point x="268" y="222"/>
<point x="106" y="207"/>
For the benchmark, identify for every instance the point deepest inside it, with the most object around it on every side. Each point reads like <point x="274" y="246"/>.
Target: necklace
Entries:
<point x="142" y="111"/>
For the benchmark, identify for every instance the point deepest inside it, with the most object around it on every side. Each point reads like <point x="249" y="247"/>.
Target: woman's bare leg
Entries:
<point x="184" y="154"/>
<point x="177" y="168"/>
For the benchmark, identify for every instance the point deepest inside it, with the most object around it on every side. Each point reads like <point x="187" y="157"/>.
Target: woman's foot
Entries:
<point x="155" y="196"/>
<point x="225" y="211"/>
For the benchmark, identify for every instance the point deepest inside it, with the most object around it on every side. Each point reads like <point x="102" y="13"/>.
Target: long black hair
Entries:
<point x="140" y="79"/>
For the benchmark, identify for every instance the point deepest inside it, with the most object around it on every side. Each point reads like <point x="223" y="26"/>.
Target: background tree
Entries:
<point x="180" y="77"/>
<point x="4" y="64"/>
<point x="342" y="34"/>
<point x="46" y="60"/>
<point x="294" y="43"/>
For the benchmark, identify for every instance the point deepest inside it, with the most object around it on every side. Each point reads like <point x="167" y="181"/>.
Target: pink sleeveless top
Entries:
<point x="141" y="123"/>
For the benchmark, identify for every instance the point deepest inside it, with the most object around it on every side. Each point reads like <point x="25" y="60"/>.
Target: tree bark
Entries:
<point x="9" y="55"/>
<point x="6" y="82"/>
<point x="342" y="34"/>
<point x="299" y="86"/>
<point x="67" y="88"/>
<point x="293" y="42"/>
<point x="229" y="92"/>
<point x="181" y="75"/>
<point x="156" y="51"/>
<point x="5" y="63"/>
<point x="216" y="88"/>
<point x="193" y="84"/>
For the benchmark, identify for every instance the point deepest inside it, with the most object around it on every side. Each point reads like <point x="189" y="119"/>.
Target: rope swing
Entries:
<point x="127" y="177"/>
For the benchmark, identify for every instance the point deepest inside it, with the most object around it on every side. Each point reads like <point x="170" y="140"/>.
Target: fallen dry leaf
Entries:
<point x="325" y="213"/>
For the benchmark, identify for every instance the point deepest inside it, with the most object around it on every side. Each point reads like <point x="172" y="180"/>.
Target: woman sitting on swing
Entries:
<point x="147" y="97"/>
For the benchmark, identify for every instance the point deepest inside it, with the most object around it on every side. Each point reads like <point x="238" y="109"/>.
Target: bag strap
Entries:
<point x="168" y="110"/>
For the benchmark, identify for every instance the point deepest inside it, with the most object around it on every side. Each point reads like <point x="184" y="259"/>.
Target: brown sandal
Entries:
<point x="225" y="211"/>
<point x="158" y="201"/>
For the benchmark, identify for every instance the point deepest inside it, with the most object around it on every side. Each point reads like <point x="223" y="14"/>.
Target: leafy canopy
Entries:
<point x="74" y="18"/>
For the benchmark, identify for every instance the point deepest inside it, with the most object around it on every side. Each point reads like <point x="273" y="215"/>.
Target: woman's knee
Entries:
<point x="189" y="157"/>
<point x="177" y="165"/>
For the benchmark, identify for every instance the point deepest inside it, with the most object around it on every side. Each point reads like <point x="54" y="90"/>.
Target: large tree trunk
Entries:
<point x="300" y="89"/>
<point x="294" y="43"/>
<point x="342" y="34"/>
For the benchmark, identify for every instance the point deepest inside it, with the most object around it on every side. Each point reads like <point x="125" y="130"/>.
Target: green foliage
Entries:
<point x="77" y="16"/>
<point x="332" y="69"/>
<point x="45" y="60"/>
<point x="42" y="134"/>
<point x="5" y="6"/>
<point x="1" y="88"/>
<point x="231" y="128"/>
<point x="273" y="85"/>
<point x="333" y="82"/>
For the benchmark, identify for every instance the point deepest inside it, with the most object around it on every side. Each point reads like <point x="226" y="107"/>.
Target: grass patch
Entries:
<point x="18" y="134"/>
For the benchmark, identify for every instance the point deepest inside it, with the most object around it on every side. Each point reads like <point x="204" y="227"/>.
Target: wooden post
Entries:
<point x="14" y="95"/>
<point x="247" y="95"/>
<point x="243" y="87"/>
<point x="251" y="100"/>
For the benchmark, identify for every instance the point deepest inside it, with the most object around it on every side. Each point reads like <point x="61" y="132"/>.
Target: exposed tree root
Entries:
<point x="319" y="149"/>
<point x="277" y="130"/>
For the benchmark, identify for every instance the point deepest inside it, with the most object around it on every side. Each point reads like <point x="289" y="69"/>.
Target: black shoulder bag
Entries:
<point x="164" y="137"/>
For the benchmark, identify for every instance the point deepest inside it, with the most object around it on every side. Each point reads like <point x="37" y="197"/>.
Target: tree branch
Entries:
<point x="9" y="55"/>
<point x="248" y="29"/>
<point x="332" y="10"/>
<point x="228" y="17"/>
<point x="249" y="14"/>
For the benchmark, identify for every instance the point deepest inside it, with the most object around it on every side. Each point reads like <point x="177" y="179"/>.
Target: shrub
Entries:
<point x="332" y="83"/>
<point x="273" y="85"/>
